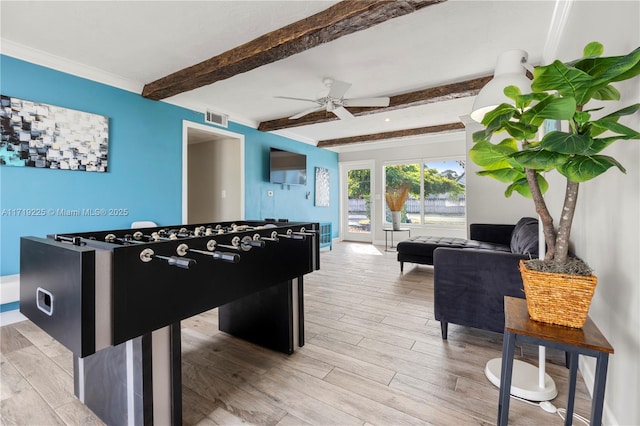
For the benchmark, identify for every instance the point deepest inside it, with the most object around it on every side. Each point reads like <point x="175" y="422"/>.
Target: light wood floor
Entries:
<point x="373" y="355"/>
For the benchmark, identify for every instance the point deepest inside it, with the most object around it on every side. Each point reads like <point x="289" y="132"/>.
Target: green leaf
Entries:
<point x="503" y="175"/>
<point x="492" y="157"/>
<point x="497" y="116"/>
<point x="482" y="135"/>
<point x="593" y="109"/>
<point x="594" y="49"/>
<point x="551" y="107"/>
<point x="539" y="159"/>
<point x="509" y="144"/>
<point x="631" y="109"/>
<point x="581" y="117"/>
<point x="604" y="70"/>
<point x="607" y="93"/>
<point x="623" y="131"/>
<point x="597" y="67"/>
<point x="581" y="168"/>
<point x="522" y="187"/>
<point x="512" y="92"/>
<point x="542" y="182"/>
<point x="593" y="130"/>
<point x="525" y="100"/>
<point x="522" y="101"/>
<point x="631" y="73"/>
<point x="594" y="66"/>
<point x="624" y="68"/>
<point x="566" y="143"/>
<point x="521" y="131"/>
<point x="568" y="82"/>
<point x="599" y="144"/>
<point x="597" y="126"/>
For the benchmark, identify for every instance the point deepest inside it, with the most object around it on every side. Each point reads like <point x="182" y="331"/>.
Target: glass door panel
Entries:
<point x="357" y="209"/>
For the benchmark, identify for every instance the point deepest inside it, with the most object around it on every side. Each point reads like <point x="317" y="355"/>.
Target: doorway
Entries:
<point x="212" y="174"/>
<point x="356" y="207"/>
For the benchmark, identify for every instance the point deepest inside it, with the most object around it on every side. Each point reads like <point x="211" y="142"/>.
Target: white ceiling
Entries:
<point x="129" y="44"/>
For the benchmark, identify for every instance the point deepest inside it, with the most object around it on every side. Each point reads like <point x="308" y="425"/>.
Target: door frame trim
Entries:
<point x="344" y="204"/>
<point x="186" y="125"/>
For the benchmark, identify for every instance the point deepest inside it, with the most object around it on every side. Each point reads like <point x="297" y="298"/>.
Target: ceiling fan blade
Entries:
<point x="342" y="113"/>
<point x="367" y="102"/>
<point x="306" y="111"/>
<point x="338" y="89"/>
<point x="297" y="99"/>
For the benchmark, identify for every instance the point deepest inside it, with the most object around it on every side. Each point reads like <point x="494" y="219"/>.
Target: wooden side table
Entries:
<point x="575" y="341"/>
<point x="386" y="232"/>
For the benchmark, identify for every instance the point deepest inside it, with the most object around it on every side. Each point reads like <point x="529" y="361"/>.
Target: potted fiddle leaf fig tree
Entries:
<point x="560" y="92"/>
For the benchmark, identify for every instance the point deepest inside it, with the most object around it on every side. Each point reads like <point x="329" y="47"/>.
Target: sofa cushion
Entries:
<point x="524" y="238"/>
<point x="425" y="245"/>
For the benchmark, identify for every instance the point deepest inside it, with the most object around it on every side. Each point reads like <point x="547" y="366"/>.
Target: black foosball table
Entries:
<point x="116" y="298"/>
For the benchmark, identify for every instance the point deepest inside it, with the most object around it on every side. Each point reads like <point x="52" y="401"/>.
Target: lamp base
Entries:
<point x="524" y="382"/>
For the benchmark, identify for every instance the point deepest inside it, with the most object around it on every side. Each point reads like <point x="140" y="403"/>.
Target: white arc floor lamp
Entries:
<point x="528" y="382"/>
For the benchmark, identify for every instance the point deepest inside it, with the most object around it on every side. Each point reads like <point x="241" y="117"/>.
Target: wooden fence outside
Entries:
<point x="432" y="205"/>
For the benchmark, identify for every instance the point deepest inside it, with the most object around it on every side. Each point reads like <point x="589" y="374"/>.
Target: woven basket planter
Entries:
<point x="558" y="298"/>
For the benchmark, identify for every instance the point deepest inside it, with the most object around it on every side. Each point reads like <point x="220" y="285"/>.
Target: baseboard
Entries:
<point x="587" y="369"/>
<point x="10" y="300"/>
<point x="11" y="317"/>
<point x="9" y="288"/>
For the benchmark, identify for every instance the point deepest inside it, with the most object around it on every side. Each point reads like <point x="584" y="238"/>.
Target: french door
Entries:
<point x="356" y="206"/>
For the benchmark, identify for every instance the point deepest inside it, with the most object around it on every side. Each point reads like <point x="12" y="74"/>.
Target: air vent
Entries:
<point x="216" y="118"/>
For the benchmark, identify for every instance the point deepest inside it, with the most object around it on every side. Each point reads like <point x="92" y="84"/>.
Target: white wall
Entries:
<point x="606" y="230"/>
<point x="214" y="190"/>
<point x="427" y="147"/>
<point x="201" y="201"/>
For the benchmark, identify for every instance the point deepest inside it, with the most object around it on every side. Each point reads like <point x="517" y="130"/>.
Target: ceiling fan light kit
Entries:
<point x="335" y="102"/>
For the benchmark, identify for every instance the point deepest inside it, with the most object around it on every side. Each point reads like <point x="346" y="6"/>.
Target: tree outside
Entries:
<point x="444" y="189"/>
<point x="359" y="195"/>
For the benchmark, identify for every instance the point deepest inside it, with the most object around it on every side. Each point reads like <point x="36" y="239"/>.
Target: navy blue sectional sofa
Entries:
<point x="471" y="277"/>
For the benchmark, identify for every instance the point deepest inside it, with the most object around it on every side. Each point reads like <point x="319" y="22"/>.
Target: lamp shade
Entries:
<point x="509" y="72"/>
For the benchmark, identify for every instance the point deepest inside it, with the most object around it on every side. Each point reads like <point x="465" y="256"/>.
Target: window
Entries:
<point x="436" y="191"/>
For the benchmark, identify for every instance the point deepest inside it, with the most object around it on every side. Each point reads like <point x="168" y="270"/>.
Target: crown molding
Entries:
<point x="39" y="57"/>
<point x="45" y="59"/>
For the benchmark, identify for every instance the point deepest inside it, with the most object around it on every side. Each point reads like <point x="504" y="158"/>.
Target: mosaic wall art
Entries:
<point x="52" y="137"/>
<point x="322" y="187"/>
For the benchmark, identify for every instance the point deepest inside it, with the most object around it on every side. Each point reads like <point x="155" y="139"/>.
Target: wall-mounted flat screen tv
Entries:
<point x="287" y="167"/>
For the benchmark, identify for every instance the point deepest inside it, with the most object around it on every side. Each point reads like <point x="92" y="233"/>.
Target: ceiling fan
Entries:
<point x="335" y="102"/>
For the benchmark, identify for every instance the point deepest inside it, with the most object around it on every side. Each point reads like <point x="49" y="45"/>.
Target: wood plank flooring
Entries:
<point x="373" y="355"/>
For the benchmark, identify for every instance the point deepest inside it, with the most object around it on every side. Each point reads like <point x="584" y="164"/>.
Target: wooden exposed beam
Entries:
<point x="421" y="97"/>
<point x="346" y="17"/>
<point x="391" y="135"/>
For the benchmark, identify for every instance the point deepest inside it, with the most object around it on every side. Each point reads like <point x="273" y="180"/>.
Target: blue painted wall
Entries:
<point x="145" y="166"/>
